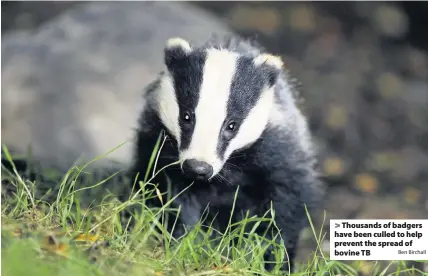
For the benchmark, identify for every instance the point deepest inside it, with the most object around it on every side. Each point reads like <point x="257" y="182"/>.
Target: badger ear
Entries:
<point x="271" y="66"/>
<point x="176" y="48"/>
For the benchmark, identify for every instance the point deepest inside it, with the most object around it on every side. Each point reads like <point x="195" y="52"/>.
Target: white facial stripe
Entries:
<point x="211" y="110"/>
<point x="254" y="124"/>
<point x="168" y="107"/>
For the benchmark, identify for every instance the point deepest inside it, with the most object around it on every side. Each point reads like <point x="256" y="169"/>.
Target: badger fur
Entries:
<point x="231" y="120"/>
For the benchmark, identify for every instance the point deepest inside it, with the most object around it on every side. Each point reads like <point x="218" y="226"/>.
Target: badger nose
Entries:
<point x="197" y="169"/>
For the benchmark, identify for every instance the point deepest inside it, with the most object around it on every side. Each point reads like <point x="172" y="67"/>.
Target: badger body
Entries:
<point x="230" y="118"/>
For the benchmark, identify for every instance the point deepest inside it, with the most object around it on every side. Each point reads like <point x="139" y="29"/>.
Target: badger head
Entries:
<point x="214" y="102"/>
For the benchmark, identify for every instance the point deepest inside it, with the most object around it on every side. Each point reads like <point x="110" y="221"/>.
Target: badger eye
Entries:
<point x="231" y="126"/>
<point x="186" y="116"/>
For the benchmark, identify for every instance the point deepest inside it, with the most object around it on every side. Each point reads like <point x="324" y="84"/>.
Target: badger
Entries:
<point x="231" y="120"/>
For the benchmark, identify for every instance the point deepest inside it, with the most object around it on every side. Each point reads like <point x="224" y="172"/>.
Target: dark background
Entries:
<point x="27" y="15"/>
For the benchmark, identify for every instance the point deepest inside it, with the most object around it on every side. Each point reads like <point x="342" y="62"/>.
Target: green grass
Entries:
<point x="77" y="229"/>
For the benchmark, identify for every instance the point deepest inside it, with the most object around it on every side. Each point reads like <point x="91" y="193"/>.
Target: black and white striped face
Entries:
<point x="214" y="102"/>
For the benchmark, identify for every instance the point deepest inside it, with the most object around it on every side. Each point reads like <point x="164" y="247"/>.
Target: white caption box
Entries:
<point x="379" y="239"/>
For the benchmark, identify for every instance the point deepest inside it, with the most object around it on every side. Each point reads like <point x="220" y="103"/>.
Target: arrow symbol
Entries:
<point x="336" y="225"/>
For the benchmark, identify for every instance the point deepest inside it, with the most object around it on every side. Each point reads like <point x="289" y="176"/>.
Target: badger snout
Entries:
<point x="198" y="170"/>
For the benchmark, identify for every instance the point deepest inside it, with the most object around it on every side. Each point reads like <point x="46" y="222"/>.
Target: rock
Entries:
<point x="73" y="87"/>
<point x="390" y="21"/>
<point x="254" y="18"/>
<point x="302" y="17"/>
<point x="366" y="183"/>
<point x="333" y="166"/>
<point x="389" y="85"/>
